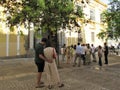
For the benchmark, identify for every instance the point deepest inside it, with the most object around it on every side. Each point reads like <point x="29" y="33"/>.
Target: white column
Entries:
<point x="18" y="41"/>
<point x="7" y="42"/>
<point x="59" y="33"/>
<point x="97" y="15"/>
<point x="31" y="36"/>
<point x="86" y="10"/>
<point x="63" y="37"/>
<point x="87" y="32"/>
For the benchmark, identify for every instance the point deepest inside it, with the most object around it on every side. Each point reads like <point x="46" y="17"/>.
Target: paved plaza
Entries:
<point x="20" y="74"/>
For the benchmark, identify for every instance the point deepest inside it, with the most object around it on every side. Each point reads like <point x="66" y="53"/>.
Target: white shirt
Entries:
<point x="82" y="49"/>
<point x="93" y="49"/>
<point x="78" y="49"/>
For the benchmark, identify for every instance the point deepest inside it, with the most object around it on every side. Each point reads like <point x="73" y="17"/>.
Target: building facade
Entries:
<point x="89" y="28"/>
<point x="13" y="44"/>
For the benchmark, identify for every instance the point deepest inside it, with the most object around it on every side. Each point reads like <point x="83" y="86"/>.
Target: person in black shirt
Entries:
<point x="40" y="60"/>
<point x="106" y="53"/>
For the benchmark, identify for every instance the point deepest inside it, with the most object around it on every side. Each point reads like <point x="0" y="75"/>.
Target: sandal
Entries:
<point x="61" y="85"/>
<point x="41" y="82"/>
<point x="50" y="86"/>
<point x="39" y="86"/>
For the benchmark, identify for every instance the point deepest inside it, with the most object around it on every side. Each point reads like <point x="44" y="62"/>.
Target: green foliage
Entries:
<point x="41" y="4"/>
<point x="44" y="14"/>
<point x="56" y="13"/>
<point x="12" y="28"/>
<point x="112" y="18"/>
<point x="79" y="12"/>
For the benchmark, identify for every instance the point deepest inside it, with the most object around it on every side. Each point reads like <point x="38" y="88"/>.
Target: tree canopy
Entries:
<point x="112" y="17"/>
<point x="44" y="14"/>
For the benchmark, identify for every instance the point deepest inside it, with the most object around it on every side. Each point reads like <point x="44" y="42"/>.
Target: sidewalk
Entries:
<point x="20" y="74"/>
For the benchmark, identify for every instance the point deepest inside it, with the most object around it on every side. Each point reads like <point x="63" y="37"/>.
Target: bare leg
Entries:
<point x="39" y="74"/>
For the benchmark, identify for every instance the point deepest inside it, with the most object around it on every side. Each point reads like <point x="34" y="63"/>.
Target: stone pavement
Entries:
<point x="20" y="74"/>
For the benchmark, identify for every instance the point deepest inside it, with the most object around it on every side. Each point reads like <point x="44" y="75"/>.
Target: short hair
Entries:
<point x="78" y="43"/>
<point x="105" y="43"/>
<point x="44" y="40"/>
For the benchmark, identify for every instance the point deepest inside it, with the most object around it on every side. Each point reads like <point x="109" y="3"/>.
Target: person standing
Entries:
<point x="106" y="53"/>
<point x="83" y="49"/>
<point x="93" y="51"/>
<point x="40" y="60"/>
<point x="68" y="54"/>
<point x="118" y="47"/>
<point x="77" y="55"/>
<point x="51" y="68"/>
<point x="63" y="52"/>
<point x="88" y="54"/>
<point x="72" y="53"/>
<point x="100" y="51"/>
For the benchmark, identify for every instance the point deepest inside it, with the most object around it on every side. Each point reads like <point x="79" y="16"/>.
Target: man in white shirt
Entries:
<point x="77" y="55"/>
<point x="93" y="50"/>
<point x="83" y="53"/>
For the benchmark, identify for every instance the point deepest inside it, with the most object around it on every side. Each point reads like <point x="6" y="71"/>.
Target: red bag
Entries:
<point x="54" y="55"/>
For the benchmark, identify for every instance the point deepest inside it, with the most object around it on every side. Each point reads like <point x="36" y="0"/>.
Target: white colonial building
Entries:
<point x="92" y="10"/>
<point x="12" y="44"/>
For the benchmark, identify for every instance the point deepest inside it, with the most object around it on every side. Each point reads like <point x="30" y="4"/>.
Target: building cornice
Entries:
<point x="98" y="1"/>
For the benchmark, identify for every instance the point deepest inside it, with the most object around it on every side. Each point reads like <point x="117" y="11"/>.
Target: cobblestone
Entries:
<point x="20" y="74"/>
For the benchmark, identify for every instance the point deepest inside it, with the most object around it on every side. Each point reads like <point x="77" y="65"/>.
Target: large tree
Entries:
<point x="112" y="17"/>
<point x="44" y="14"/>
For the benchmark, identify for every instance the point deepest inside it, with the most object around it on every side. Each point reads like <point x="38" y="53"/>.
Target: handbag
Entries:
<point x="54" y="55"/>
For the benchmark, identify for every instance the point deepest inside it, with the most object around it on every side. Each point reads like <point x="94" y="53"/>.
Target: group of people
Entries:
<point x="45" y="56"/>
<point x="115" y="49"/>
<point x="85" y="52"/>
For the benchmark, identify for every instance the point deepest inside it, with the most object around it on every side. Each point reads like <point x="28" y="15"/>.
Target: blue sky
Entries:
<point x="105" y="1"/>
